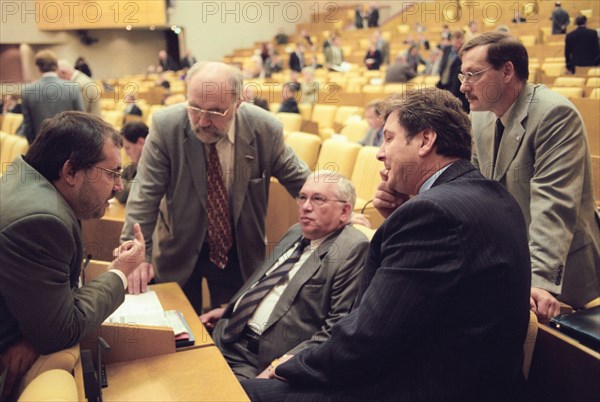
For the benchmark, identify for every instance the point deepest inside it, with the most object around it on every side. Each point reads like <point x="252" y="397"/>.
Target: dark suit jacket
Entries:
<point x="453" y="84"/>
<point x="581" y="48"/>
<point x="443" y="306"/>
<point x="320" y="293"/>
<point x="295" y="63"/>
<point x="377" y="56"/>
<point x="45" y="98"/>
<point x="168" y="197"/>
<point x="41" y="258"/>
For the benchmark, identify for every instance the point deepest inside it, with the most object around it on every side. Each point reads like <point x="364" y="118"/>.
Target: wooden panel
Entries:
<point x="589" y="112"/>
<point x="92" y="14"/>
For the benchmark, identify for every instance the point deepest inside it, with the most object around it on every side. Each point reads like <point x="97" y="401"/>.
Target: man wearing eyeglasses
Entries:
<point x="316" y="289"/>
<point x="69" y="173"/>
<point x="534" y="142"/>
<point x="202" y="187"/>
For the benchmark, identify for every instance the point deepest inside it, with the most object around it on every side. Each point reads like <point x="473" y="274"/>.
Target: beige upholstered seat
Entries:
<point x="339" y="156"/>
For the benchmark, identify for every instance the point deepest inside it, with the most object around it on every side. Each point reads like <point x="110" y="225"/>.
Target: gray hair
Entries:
<point x="345" y="188"/>
<point x="235" y="76"/>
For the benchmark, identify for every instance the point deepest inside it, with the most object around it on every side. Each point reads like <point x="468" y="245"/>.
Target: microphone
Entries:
<point x="86" y="264"/>
<point x="362" y="211"/>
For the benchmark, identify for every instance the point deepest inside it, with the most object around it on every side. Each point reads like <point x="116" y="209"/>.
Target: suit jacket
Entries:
<point x="133" y="109"/>
<point x="168" y="197"/>
<point x="45" y="98"/>
<point x="399" y="72"/>
<point x="295" y="62"/>
<point x="544" y="162"/>
<point x="90" y="93"/>
<point x="453" y="84"/>
<point x="42" y="253"/>
<point x="560" y="18"/>
<point x="320" y="293"/>
<point x="377" y="56"/>
<point x="188" y="62"/>
<point x="443" y="305"/>
<point x="582" y="48"/>
<point x="332" y="58"/>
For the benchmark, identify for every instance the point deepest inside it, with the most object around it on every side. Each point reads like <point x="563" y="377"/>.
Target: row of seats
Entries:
<point x="11" y="146"/>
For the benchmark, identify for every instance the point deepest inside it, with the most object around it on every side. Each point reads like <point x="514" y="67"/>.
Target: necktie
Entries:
<point x="255" y="295"/>
<point x="219" y="227"/>
<point x="497" y="139"/>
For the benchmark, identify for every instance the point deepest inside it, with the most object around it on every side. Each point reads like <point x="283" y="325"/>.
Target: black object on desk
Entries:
<point x="583" y="325"/>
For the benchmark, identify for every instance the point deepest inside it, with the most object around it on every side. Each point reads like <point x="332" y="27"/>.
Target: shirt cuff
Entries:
<point x="121" y="275"/>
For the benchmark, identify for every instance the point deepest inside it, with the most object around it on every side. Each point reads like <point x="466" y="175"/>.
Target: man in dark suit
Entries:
<point x="215" y="153"/>
<point x="443" y="305"/>
<point x="299" y="312"/>
<point x="399" y="71"/>
<point x="296" y="62"/>
<point x="48" y="96"/>
<point x="450" y="66"/>
<point x="188" y="60"/>
<point x="560" y="19"/>
<point x="581" y="46"/>
<point x="68" y="174"/>
<point x="166" y="61"/>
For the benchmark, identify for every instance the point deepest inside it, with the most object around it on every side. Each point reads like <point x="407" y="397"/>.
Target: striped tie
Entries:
<point x="255" y="295"/>
<point x="219" y="226"/>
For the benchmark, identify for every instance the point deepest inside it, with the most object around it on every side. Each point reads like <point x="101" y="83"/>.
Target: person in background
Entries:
<point x="131" y="108"/>
<point x="450" y="67"/>
<point x="11" y="104"/>
<point x="188" y="60"/>
<point x="90" y="92"/>
<point x="324" y="249"/>
<point x="560" y="19"/>
<point x="69" y="173"/>
<point x="216" y="153"/>
<point x="533" y="141"/>
<point x="399" y="71"/>
<point x="374" y="136"/>
<point x="581" y="46"/>
<point x="296" y="62"/>
<point x="373" y="58"/>
<point x="82" y="65"/>
<point x="47" y="97"/>
<point x="166" y="62"/>
<point x="134" y="137"/>
<point x="288" y="95"/>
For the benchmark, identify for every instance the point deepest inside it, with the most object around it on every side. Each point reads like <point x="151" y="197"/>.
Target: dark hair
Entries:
<point x="502" y="48"/>
<point x="580" y="20"/>
<point x="74" y="136"/>
<point x="46" y="61"/>
<point x="435" y="109"/>
<point x="134" y="130"/>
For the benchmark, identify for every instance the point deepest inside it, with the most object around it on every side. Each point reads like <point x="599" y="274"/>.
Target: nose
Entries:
<point x="306" y="205"/>
<point x="119" y="184"/>
<point x="465" y="87"/>
<point x="203" y="120"/>
<point x="380" y="153"/>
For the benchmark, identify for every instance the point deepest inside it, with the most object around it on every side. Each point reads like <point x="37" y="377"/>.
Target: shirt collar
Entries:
<point x="429" y="182"/>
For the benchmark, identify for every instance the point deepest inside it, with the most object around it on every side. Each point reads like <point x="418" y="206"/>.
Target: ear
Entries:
<point x="508" y="71"/>
<point x="67" y="173"/>
<point x="428" y="141"/>
<point x="346" y="213"/>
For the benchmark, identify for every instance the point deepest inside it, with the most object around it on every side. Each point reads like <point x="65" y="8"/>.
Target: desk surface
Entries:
<point x="115" y="211"/>
<point x="192" y="375"/>
<point x="172" y="298"/>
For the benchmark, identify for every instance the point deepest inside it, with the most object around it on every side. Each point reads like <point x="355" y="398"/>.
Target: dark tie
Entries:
<point x="497" y="139"/>
<point x="219" y="226"/>
<point x="250" y="301"/>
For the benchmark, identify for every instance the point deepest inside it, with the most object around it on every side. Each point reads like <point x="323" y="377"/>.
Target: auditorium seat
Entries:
<point x="338" y="155"/>
<point x="291" y="121"/>
<point x="355" y="130"/>
<point x="306" y="146"/>
<point x="11" y="122"/>
<point x="366" y="178"/>
<point x="324" y="115"/>
<point x="569" y="92"/>
<point x="569" y="82"/>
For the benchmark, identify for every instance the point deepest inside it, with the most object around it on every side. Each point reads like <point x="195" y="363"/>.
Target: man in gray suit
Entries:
<point x="297" y="313"/>
<point x="534" y="142"/>
<point x="46" y="97"/>
<point x="68" y="174"/>
<point x="208" y="221"/>
<point x="90" y="91"/>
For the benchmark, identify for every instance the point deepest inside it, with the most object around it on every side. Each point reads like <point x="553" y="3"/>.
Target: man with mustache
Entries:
<point x="533" y="141"/>
<point x="202" y="186"/>
<point x="69" y="173"/>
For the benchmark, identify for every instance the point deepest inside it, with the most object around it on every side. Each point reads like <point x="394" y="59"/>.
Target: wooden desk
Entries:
<point x="101" y="236"/>
<point x="193" y="375"/>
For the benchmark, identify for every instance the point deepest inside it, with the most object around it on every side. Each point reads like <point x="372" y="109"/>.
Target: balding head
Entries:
<point x="65" y="69"/>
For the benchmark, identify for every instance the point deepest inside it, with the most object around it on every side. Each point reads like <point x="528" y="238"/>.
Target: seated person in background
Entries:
<point x="442" y="309"/>
<point x="334" y="56"/>
<point x="289" y="104"/>
<point x="10" y="104"/>
<point x="317" y="287"/>
<point x="373" y="58"/>
<point x="399" y="71"/>
<point x="413" y="58"/>
<point x="134" y="137"/>
<point x="131" y="108"/>
<point x="310" y="87"/>
<point x="69" y="173"/>
<point x="374" y="134"/>
<point x="249" y="95"/>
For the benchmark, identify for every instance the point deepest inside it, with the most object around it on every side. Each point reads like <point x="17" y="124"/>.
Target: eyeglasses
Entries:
<point x="196" y="111"/>
<point x="315" y="200"/>
<point x="471" y="77"/>
<point x="114" y="174"/>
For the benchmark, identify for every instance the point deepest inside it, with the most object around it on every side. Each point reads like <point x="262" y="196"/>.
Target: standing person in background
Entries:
<point x="296" y="62"/>
<point x="166" y="62"/>
<point x="134" y="137"/>
<point x="373" y="15"/>
<point x="581" y="46"/>
<point x="533" y="141"/>
<point x="90" y="92"/>
<point x="217" y="154"/>
<point x="450" y="66"/>
<point x="188" y="60"/>
<point x="560" y="19"/>
<point x="373" y="58"/>
<point x="47" y="97"/>
<point x="81" y="65"/>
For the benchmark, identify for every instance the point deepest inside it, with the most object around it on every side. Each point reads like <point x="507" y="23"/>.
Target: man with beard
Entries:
<point x="69" y="173"/>
<point x="202" y="186"/>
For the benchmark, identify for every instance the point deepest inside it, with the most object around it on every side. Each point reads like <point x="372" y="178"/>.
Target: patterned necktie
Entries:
<point x="497" y="138"/>
<point x="255" y="295"/>
<point x="219" y="226"/>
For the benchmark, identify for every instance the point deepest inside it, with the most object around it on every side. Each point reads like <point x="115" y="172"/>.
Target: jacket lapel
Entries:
<point x="193" y="150"/>
<point x="513" y="132"/>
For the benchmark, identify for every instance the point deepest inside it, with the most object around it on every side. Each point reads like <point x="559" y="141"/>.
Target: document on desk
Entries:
<point x="145" y="309"/>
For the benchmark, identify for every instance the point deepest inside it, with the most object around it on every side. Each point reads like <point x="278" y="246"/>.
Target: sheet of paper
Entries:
<point x="142" y="304"/>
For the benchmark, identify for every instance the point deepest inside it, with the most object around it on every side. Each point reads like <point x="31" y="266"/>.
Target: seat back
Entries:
<point x="569" y="92"/>
<point x="324" y="115"/>
<point x="569" y="82"/>
<point x="11" y="122"/>
<point x="291" y="121"/>
<point x="529" y="344"/>
<point x="339" y="156"/>
<point x="355" y="130"/>
<point x="365" y="175"/>
<point x="306" y="146"/>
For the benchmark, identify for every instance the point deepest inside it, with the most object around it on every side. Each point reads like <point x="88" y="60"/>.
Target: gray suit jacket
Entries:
<point x="319" y="295"/>
<point x="41" y="258"/>
<point x="46" y="98"/>
<point x="168" y="197"/>
<point x="90" y="93"/>
<point x="544" y="162"/>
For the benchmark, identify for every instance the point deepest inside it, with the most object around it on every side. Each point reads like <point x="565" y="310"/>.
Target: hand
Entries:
<point x="543" y="304"/>
<point x="130" y="254"/>
<point x="269" y="372"/>
<point x="210" y="319"/>
<point x="386" y="199"/>
<point x="19" y="357"/>
<point x="360" y="219"/>
<point x="139" y="278"/>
